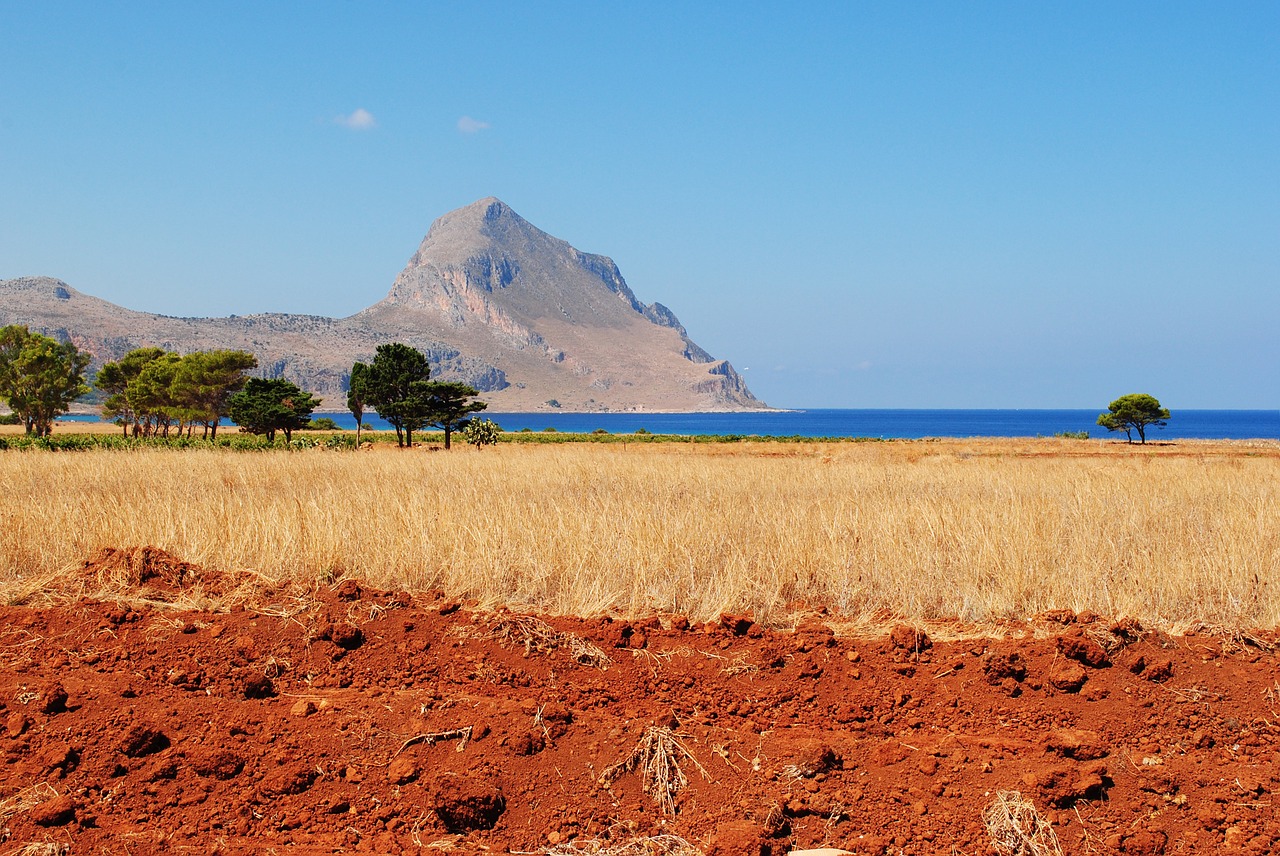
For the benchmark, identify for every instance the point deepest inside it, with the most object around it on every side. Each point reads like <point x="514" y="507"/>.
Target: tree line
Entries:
<point x="151" y="392"/>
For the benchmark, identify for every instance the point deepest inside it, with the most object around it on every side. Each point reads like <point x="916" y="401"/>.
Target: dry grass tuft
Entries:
<point x="1233" y="639"/>
<point x="534" y="634"/>
<point x="41" y="848"/>
<point x="26" y="799"/>
<point x="656" y="845"/>
<point x="1016" y="828"/>
<point x="657" y="757"/>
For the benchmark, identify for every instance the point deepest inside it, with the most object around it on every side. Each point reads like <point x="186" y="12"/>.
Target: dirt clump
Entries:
<point x="465" y="804"/>
<point x="1083" y="650"/>
<point x="147" y="572"/>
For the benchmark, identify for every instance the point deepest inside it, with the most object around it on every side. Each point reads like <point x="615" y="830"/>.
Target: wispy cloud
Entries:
<point x="359" y="120"/>
<point x="467" y="125"/>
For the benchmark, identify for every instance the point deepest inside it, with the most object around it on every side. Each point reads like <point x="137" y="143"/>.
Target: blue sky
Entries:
<point x="859" y="204"/>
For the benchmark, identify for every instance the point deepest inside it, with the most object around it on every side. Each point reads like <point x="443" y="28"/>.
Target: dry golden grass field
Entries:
<point x="977" y="530"/>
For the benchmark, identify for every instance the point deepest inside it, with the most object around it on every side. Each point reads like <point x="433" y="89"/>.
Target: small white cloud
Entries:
<point x="360" y="120"/>
<point x="863" y="366"/>
<point x="467" y="125"/>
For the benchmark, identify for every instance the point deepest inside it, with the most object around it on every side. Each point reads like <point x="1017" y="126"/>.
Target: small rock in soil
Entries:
<point x="1145" y="844"/>
<point x="402" y="770"/>
<point x="141" y="740"/>
<point x="258" y="686"/>
<point x="1084" y="651"/>
<point x="223" y="764"/>
<point x="906" y="638"/>
<point x="738" y="625"/>
<point x="53" y="699"/>
<point x="346" y="636"/>
<point x="288" y="780"/>
<point x="1068" y="676"/>
<point x="1077" y="744"/>
<point x="464" y="804"/>
<point x="811" y="757"/>
<point x="16" y="724"/>
<point x="744" y="838"/>
<point x="1003" y="666"/>
<point x="304" y="707"/>
<point x="55" y="812"/>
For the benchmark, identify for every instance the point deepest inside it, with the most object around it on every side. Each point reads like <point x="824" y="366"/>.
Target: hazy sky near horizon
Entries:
<point x="858" y="204"/>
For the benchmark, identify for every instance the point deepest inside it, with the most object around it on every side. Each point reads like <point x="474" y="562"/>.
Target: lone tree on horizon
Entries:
<point x="1134" y="412"/>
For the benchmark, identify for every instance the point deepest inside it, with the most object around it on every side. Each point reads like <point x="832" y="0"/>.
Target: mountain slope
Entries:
<point x="523" y="316"/>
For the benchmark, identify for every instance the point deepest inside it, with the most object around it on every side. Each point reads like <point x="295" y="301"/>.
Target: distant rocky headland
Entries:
<point x="525" y="318"/>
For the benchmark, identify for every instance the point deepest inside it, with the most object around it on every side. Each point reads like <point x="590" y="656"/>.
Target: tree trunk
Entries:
<point x="447" y="432"/>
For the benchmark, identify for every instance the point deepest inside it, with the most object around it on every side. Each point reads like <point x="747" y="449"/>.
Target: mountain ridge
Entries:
<point x="523" y="316"/>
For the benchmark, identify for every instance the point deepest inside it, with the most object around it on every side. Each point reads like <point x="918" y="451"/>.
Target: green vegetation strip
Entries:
<point x="346" y="441"/>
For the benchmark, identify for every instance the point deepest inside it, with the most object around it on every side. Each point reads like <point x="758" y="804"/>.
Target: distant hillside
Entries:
<point x="522" y="316"/>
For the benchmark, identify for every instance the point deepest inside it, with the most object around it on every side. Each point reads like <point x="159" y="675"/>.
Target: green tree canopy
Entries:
<point x="395" y="385"/>
<point x="1134" y="412"/>
<point x="114" y="379"/>
<point x="449" y="405"/>
<point x="39" y="377"/>
<point x="150" y="389"/>
<point x="205" y="382"/>
<point x="268" y="405"/>
<point x="151" y="395"/>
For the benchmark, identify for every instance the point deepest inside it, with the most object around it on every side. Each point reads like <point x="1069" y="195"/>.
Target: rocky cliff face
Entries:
<point x="494" y="301"/>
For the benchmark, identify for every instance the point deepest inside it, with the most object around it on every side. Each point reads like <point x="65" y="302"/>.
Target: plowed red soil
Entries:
<point x="350" y="720"/>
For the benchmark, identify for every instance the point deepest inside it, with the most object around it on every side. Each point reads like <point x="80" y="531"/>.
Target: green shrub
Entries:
<point x="481" y="432"/>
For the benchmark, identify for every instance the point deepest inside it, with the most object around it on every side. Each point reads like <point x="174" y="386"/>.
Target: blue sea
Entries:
<point x="902" y="424"/>
<point x="1201" y="424"/>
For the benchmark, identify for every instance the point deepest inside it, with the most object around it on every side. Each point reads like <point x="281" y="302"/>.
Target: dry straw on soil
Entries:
<point x="1016" y="828"/>
<point x="977" y="530"/>
<point x="657" y="757"/>
<point x="534" y="634"/>
<point x="656" y="845"/>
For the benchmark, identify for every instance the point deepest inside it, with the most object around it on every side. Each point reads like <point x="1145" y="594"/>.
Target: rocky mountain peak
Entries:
<point x="493" y="300"/>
